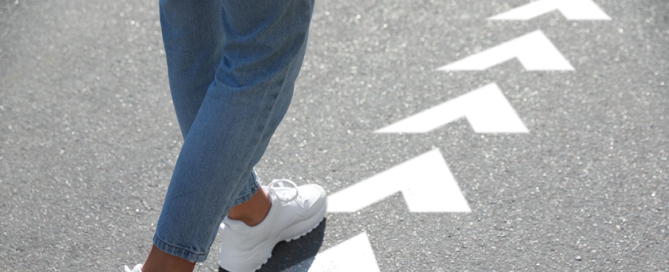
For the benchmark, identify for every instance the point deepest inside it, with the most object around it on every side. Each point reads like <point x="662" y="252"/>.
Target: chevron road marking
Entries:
<point x="534" y="51"/>
<point x="486" y="109"/>
<point x="571" y="9"/>
<point x="425" y="182"/>
<point x="353" y="255"/>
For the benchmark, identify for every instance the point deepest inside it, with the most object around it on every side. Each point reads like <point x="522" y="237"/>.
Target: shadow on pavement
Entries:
<point x="301" y="251"/>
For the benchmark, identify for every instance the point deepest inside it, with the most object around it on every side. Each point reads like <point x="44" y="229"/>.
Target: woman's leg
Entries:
<point x="192" y="36"/>
<point x="263" y="46"/>
<point x="193" y="40"/>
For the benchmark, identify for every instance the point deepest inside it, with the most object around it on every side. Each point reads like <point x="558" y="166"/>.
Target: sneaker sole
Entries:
<point x="220" y="269"/>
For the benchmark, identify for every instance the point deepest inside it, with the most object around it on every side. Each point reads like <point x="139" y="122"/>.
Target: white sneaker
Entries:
<point x="295" y="211"/>
<point x="137" y="268"/>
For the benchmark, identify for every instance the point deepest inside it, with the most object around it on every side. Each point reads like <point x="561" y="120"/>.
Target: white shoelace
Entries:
<point x="285" y="194"/>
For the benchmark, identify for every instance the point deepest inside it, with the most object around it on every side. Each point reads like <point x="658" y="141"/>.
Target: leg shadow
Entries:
<point x="296" y="255"/>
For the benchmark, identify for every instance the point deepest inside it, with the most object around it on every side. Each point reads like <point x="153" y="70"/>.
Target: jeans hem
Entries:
<point x="250" y="193"/>
<point x="178" y="251"/>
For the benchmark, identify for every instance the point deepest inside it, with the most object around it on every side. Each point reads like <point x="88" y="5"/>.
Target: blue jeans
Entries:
<point x="232" y="66"/>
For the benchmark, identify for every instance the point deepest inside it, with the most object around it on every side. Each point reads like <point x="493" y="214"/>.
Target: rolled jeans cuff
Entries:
<point x="250" y="188"/>
<point x="174" y="250"/>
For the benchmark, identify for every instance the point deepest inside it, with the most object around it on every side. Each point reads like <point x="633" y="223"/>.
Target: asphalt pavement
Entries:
<point x="89" y="137"/>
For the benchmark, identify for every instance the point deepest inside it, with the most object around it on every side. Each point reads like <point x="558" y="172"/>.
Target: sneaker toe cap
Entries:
<point x="314" y="193"/>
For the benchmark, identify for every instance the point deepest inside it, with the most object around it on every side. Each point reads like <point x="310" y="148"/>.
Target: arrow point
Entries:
<point x="426" y="183"/>
<point x="570" y="9"/>
<point x="353" y="255"/>
<point x="486" y="109"/>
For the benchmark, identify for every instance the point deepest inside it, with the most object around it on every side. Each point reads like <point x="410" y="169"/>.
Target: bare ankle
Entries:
<point x="161" y="261"/>
<point x="253" y="211"/>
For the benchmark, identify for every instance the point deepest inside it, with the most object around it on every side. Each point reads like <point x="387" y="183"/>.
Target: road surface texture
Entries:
<point x="89" y="137"/>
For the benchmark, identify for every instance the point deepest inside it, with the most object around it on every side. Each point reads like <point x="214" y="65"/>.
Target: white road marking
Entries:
<point x="571" y="9"/>
<point x="534" y="51"/>
<point x="425" y="182"/>
<point x="486" y="109"/>
<point x="353" y="255"/>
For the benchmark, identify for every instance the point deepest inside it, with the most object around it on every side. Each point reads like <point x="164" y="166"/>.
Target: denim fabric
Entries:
<point x="232" y="66"/>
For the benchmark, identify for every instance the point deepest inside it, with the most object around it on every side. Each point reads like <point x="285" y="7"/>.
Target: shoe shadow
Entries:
<point x="296" y="255"/>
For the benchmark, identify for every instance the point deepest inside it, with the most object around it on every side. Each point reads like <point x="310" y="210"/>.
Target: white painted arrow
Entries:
<point x="571" y="9"/>
<point x="353" y="255"/>
<point x="425" y="182"/>
<point x="534" y="51"/>
<point x="486" y="109"/>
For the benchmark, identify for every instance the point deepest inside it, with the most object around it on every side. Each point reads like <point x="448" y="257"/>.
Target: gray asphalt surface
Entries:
<point x="89" y="136"/>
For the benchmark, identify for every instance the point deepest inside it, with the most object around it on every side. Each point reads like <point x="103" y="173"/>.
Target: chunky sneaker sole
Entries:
<point x="220" y="269"/>
<point x="246" y="249"/>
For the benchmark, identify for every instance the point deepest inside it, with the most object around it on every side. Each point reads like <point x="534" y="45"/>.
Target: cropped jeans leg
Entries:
<point x="232" y="66"/>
